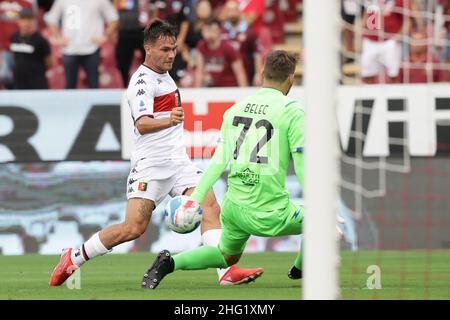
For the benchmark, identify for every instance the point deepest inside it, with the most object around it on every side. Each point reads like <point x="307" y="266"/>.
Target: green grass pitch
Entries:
<point x="404" y="275"/>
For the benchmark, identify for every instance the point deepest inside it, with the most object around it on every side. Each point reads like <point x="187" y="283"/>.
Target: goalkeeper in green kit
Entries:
<point x="257" y="137"/>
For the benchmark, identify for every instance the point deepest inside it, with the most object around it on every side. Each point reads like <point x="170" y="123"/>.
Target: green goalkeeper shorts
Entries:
<point x="239" y="223"/>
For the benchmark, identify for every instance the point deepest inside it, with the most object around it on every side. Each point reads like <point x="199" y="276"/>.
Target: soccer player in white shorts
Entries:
<point x="378" y="54"/>
<point x="159" y="162"/>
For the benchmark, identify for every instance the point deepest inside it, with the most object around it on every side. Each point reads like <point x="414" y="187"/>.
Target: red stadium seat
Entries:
<point x="56" y="77"/>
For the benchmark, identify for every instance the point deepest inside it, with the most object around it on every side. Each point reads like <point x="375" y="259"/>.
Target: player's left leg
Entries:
<point x="391" y="58"/>
<point x="211" y="229"/>
<point x="232" y="244"/>
<point x="292" y="224"/>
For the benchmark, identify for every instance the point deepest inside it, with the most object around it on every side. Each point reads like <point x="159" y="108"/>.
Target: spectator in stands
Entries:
<point x="446" y="11"/>
<point x="381" y="47"/>
<point x="244" y="39"/>
<point x="45" y="5"/>
<point x="9" y="14"/>
<point x="176" y="13"/>
<point x="349" y="10"/>
<point x="422" y="65"/>
<point x="218" y="63"/>
<point x="129" y="36"/>
<point x="273" y="22"/>
<point x="203" y="12"/>
<point x="384" y="22"/>
<point x="253" y="12"/>
<point x="32" y="55"/>
<point x="82" y="35"/>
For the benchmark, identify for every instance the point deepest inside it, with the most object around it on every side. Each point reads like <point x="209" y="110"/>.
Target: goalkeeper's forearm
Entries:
<point x="210" y="176"/>
<point x="298" y="168"/>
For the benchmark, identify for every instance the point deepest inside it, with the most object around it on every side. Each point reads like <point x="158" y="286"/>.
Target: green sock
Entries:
<point x="203" y="257"/>
<point x="298" y="259"/>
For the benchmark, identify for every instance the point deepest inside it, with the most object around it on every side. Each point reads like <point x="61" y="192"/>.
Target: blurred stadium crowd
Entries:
<point x="59" y="44"/>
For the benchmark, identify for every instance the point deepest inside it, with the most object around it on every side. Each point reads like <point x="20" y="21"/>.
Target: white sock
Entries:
<point x="211" y="238"/>
<point x="88" y="250"/>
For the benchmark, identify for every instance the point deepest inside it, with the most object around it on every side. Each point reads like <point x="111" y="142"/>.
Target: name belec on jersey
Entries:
<point x="255" y="108"/>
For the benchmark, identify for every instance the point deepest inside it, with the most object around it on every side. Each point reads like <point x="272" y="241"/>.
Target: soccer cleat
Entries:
<point x="162" y="266"/>
<point x="236" y="275"/>
<point x="295" y="273"/>
<point x="63" y="269"/>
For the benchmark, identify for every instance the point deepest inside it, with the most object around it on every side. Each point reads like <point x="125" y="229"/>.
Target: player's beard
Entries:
<point x="167" y="66"/>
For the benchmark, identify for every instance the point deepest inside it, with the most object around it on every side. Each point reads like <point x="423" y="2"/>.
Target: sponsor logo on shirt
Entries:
<point x="140" y="81"/>
<point x="140" y="92"/>
<point x="141" y="75"/>
<point x="248" y="177"/>
<point x="21" y="48"/>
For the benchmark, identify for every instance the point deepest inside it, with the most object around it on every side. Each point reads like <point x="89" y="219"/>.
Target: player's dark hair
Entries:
<point x="279" y="65"/>
<point x="158" y="29"/>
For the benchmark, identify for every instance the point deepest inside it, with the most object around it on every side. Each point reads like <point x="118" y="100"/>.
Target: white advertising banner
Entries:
<point x="96" y="125"/>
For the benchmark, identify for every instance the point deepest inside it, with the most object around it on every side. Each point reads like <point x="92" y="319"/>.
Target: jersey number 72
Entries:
<point x="247" y="122"/>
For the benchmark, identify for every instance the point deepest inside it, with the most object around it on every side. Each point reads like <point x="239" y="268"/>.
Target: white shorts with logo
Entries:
<point x="154" y="181"/>
<point x="376" y="55"/>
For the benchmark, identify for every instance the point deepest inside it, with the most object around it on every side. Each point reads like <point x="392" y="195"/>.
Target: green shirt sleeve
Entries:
<point x="217" y="166"/>
<point x="296" y="139"/>
<point x="298" y="168"/>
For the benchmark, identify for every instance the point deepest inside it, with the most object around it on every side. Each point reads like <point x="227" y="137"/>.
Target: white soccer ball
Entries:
<point x="182" y="214"/>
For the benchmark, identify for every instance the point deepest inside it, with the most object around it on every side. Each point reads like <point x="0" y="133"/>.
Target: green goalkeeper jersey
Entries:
<point x="257" y="137"/>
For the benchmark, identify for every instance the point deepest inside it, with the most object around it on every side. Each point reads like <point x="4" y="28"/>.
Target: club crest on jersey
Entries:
<point x="142" y="186"/>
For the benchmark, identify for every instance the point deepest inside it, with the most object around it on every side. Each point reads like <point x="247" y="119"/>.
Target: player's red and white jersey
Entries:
<point x="154" y="94"/>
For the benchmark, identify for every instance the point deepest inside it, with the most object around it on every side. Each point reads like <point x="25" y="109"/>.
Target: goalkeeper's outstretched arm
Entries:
<point x="217" y="166"/>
